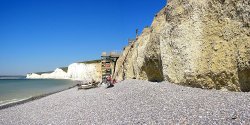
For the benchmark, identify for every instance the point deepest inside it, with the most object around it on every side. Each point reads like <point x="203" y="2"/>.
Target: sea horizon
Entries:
<point x="6" y="77"/>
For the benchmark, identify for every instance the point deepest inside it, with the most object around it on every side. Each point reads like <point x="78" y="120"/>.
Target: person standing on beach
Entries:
<point x="109" y="82"/>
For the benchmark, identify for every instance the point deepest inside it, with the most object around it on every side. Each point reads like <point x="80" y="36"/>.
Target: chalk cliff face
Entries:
<point x="203" y="43"/>
<point x="57" y="74"/>
<point x="86" y="72"/>
<point x="33" y="76"/>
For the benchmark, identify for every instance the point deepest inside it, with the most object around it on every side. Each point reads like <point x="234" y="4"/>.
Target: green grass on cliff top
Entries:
<point x="40" y="73"/>
<point x="91" y="61"/>
<point x="65" y="69"/>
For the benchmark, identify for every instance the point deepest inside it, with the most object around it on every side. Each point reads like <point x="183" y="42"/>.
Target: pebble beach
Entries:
<point x="133" y="102"/>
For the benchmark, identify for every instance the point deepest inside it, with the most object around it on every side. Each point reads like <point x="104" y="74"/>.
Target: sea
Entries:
<point x="18" y="88"/>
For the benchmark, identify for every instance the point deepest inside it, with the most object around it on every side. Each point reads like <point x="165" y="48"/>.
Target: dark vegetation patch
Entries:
<point x="40" y="73"/>
<point x="65" y="69"/>
<point x="91" y="61"/>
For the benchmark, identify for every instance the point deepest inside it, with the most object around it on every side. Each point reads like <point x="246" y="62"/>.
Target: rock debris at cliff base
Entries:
<point x="133" y="102"/>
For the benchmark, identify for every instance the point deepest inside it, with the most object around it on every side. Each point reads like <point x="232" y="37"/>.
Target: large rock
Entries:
<point x="203" y="43"/>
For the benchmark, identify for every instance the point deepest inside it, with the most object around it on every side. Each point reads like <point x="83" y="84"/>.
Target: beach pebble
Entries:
<point x="133" y="102"/>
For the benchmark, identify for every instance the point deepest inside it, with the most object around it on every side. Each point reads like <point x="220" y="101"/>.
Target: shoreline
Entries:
<point x="33" y="98"/>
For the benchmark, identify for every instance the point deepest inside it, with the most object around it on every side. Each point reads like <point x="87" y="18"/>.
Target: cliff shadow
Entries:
<point x="244" y="80"/>
<point x="153" y="70"/>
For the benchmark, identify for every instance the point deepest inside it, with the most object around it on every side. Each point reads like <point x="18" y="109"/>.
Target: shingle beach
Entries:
<point x="133" y="102"/>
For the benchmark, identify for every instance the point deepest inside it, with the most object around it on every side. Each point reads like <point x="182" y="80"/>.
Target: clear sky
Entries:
<point x="41" y="35"/>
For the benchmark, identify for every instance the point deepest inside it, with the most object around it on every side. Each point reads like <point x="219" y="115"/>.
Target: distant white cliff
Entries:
<point x="33" y="76"/>
<point x="57" y="74"/>
<point x="85" y="71"/>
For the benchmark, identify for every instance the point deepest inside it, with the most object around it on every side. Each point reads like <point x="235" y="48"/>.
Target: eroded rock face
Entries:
<point x="141" y="59"/>
<point x="203" y="43"/>
<point x="206" y="39"/>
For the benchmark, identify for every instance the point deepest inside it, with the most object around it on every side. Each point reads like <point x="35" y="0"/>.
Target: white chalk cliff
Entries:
<point x="57" y="74"/>
<point x="33" y="76"/>
<point x="86" y="72"/>
<point x="82" y="71"/>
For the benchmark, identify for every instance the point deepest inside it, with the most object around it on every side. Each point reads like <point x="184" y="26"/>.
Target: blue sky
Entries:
<point x="41" y="35"/>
